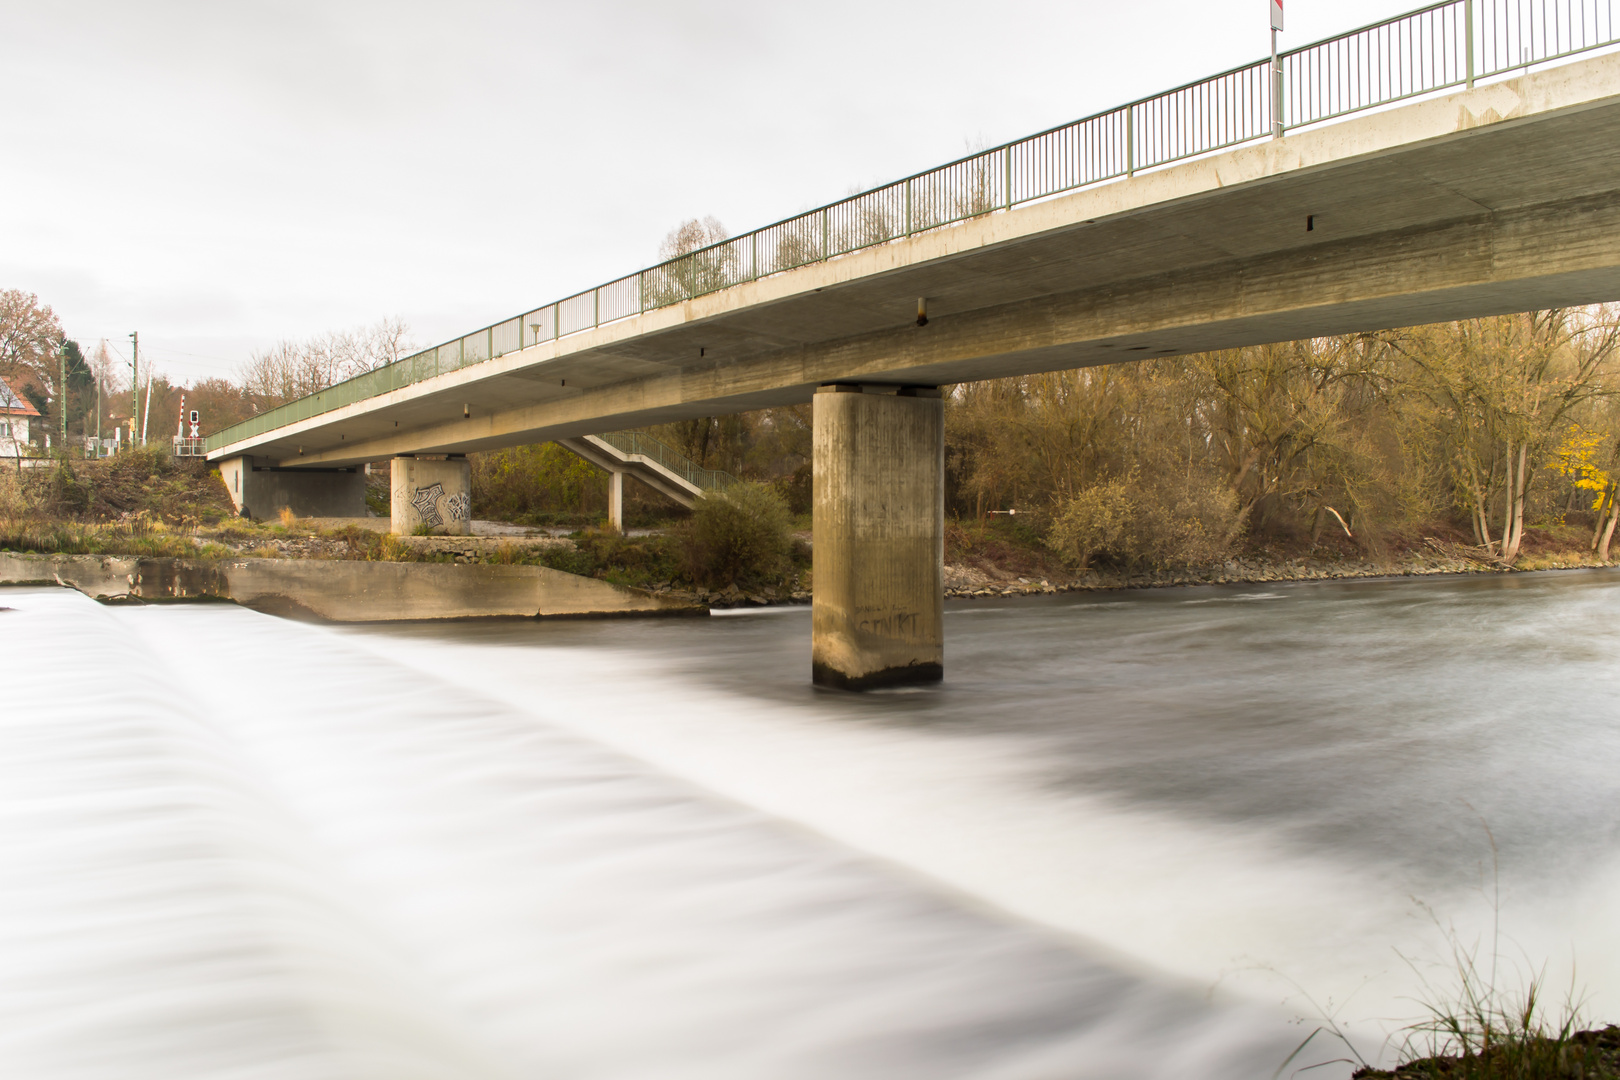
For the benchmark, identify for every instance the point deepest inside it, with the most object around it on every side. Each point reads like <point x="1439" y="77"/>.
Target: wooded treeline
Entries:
<point x="1491" y="426"/>
<point x="1476" y="431"/>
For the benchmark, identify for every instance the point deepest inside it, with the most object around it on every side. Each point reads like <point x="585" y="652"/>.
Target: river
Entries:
<point x="1149" y="834"/>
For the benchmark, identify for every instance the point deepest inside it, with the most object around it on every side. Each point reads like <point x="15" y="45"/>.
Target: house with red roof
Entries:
<point x="16" y="412"/>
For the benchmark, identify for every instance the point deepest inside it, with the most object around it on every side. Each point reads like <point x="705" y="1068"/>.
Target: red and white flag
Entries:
<point x="1276" y="14"/>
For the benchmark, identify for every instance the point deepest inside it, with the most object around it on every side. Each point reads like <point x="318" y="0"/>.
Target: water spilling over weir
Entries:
<point x="1124" y="839"/>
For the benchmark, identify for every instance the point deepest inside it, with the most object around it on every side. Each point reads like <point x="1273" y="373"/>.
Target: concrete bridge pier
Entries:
<point x="261" y="489"/>
<point x="879" y="536"/>
<point x="616" y="499"/>
<point x="432" y="491"/>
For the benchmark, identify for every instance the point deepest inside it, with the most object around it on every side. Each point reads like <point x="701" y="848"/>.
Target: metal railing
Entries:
<point x="644" y="445"/>
<point x="1445" y="45"/>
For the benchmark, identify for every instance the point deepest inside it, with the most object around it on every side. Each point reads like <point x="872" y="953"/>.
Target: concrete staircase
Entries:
<point x="655" y="463"/>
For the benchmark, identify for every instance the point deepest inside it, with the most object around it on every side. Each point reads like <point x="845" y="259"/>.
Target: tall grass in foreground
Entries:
<point x="1479" y="1030"/>
<point x="1488" y="1021"/>
<point x="1476" y="1028"/>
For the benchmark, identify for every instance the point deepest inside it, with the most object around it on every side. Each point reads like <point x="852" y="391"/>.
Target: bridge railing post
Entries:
<point x="1276" y="89"/>
<point x="1468" y="41"/>
<point x="1130" y="140"/>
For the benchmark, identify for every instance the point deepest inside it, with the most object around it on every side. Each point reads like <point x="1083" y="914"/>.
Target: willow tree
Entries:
<point x="1304" y="429"/>
<point x="1502" y="395"/>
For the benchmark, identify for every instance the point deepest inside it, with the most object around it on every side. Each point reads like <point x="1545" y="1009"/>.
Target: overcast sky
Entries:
<point x="222" y="175"/>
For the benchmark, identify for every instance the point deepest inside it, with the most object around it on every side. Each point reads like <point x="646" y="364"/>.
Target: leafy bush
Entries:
<point x="1099" y="521"/>
<point x="70" y="495"/>
<point x="625" y="560"/>
<point x="519" y="481"/>
<point x="737" y="538"/>
<point x="1165" y="520"/>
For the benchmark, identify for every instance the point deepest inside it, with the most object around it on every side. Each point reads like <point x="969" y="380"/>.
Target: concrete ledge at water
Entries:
<point x="345" y="591"/>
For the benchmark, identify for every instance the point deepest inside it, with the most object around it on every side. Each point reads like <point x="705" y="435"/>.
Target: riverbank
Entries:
<point x="278" y="553"/>
<point x="1003" y="558"/>
<point x="973" y="581"/>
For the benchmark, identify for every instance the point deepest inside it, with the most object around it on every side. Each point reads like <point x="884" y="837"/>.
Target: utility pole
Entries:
<point x="134" y="382"/>
<point x="61" y="388"/>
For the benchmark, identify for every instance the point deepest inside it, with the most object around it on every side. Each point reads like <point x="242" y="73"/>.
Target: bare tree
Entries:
<point x="1504" y="392"/>
<point x="797" y="242"/>
<point x="290" y="370"/>
<point x="695" y="260"/>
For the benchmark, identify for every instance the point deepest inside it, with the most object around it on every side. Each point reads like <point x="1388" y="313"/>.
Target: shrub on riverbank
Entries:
<point x="1178" y="519"/>
<point x="738" y="538"/>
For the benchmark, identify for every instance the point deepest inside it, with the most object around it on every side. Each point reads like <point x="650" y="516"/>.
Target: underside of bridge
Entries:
<point x="1502" y="198"/>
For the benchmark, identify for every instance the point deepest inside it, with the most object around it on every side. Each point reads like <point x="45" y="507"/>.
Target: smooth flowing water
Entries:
<point x="1154" y="834"/>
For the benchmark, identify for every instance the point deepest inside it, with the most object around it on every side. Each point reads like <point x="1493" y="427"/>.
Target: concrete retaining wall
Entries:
<point x="344" y="591"/>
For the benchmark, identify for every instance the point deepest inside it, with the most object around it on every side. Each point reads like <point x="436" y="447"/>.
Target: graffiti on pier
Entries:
<point x="888" y="623"/>
<point x="458" y="506"/>
<point x="426" y="502"/>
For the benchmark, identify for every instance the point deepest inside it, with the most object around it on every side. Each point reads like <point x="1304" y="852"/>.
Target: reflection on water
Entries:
<point x="1124" y="830"/>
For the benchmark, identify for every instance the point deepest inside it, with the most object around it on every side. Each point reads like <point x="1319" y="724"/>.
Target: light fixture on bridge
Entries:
<point x="922" y="311"/>
<point x="466" y="412"/>
<point x="536" y="328"/>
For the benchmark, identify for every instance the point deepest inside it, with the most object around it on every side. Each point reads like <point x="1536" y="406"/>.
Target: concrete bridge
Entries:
<point x="1443" y="165"/>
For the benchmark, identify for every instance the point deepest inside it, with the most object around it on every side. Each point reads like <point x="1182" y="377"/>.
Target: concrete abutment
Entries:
<point x="434" y="493"/>
<point x="879" y="537"/>
<point x="262" y="490"/>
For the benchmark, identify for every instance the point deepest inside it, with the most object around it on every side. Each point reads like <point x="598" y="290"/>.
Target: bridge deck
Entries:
<point x="1500" y="198"/>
